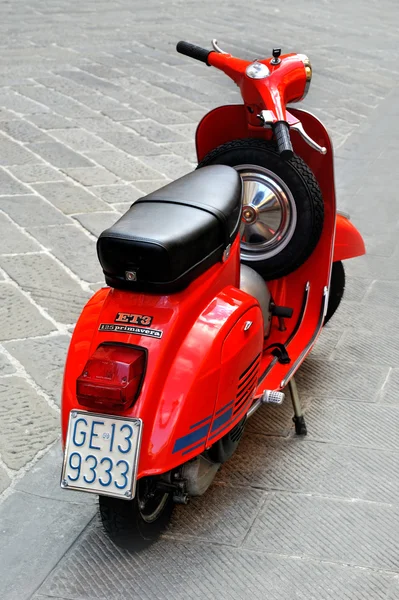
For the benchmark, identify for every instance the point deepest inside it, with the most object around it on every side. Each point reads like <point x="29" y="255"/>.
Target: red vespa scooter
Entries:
<point x="218" y="286"/>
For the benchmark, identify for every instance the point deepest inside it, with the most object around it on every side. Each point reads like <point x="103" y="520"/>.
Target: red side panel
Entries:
<point x="240" y="361"/>
<point x="180" y="392"/>
<point x="348" y="241"/>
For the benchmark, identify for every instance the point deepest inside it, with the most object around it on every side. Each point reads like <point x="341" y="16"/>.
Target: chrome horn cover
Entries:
<point x="268" y="213"/>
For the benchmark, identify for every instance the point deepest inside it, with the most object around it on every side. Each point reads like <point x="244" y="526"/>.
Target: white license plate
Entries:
<point x="101" y="454"/>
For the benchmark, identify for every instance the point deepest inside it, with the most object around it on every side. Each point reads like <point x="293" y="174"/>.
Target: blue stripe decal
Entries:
<point x="191" y="438"/>
<point x="193" y="448"/>
<point x="226" y="416"/>
<point x="228" y="424"/>
<point x="200" y="422"/>
<point x="199" y="435"/>
<point x="224" y="407"/>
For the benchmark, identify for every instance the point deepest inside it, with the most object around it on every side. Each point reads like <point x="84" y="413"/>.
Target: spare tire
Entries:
<point x="283" y="210"/>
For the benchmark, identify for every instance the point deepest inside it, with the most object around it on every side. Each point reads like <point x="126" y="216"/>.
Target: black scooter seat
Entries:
<point x="168" y="238"/>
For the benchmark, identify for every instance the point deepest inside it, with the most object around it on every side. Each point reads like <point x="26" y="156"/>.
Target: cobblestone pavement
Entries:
<point x="97" y="109"/>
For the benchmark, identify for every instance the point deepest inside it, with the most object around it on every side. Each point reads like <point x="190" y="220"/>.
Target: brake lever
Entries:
<point x="268" y="117"/>
<point x="299" y="128"/>
<point x="217" y="48"/>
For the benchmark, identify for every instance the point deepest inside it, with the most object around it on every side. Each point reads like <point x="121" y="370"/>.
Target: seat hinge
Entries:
<point x="226" y="253"/>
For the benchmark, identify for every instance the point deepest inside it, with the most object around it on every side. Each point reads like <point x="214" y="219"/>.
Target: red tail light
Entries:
<point x="112" y="377"/>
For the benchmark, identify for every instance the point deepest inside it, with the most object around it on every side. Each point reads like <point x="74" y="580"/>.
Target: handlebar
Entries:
<point x="281" y="132"/>
<point x="194" y="51"/>
<point x="285" y="81"/>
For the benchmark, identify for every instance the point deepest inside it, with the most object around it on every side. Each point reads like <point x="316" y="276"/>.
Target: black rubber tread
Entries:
<point x="125" y="526"/>
<point x="337" y="288"/>
<point x="304" y="188"/>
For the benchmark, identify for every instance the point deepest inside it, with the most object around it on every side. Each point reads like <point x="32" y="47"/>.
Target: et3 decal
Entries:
<point x="132" y="323"/>
<point x="133" y="319"/>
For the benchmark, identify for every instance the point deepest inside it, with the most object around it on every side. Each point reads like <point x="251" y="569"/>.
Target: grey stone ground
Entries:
<point x="96" y="108"/>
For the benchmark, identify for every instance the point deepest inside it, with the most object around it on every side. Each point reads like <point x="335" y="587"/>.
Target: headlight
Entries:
<point x="308" y="71"/>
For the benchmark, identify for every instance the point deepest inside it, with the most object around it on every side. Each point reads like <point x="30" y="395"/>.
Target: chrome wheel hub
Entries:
<point x="268" y="213"/>
<point x="249" y="214"/>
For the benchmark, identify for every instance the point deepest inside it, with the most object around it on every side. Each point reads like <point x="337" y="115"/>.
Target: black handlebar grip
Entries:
<point x="282" y="134"/>
<point x="194" y="51"/>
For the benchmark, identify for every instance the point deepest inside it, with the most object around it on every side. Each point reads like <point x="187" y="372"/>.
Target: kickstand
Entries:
<point x="298" y="418"/>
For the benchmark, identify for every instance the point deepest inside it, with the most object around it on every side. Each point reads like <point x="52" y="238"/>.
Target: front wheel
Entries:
<point x="283" y="210"/>
<point x="337" y="288"/>
<point x="134" y="525"/>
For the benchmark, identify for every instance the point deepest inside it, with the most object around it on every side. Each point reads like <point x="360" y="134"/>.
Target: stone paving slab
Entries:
<point x="38" y="532"/>
<point x="206" y="571"/>
<point x="314" y="467"/>
<point x="30" y="211"/>
<point x="4" y="480"/>
<point x="47" y="368"/>
<point x="43" y="480"/>
<point x="327" y="530"/>
<point x="13" y="303"/>
<point x="27" y="423"/>
<point x="49" y="285"/>
<point x="389" y="393"/>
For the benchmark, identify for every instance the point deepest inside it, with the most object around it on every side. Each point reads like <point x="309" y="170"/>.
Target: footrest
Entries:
<point x="272" y="397"/>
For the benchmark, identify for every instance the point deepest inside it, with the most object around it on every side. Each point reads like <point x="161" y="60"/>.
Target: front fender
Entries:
<point x="348" y="240"/>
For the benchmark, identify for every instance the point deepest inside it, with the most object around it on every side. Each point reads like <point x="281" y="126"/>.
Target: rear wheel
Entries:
<point x="136" y="524"/>
<point x="283" y="209"/>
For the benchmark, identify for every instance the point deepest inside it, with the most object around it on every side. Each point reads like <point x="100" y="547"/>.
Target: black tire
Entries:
<point x="127" y="525"/>
<point x="305" y="191"/>
<point x="337" y="288"/>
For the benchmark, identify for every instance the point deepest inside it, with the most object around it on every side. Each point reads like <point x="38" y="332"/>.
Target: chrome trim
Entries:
<point x="308" y="112"/>
<point x="299" y="128"/>
<point x="257" y="404"/>
<point x="273" y="215"/>
<point x="326" y="293"/>
<point x="257" y="70"/>
<point x="130" y="275"/>
<point x="312" y="340"/>
<point x="301" y="314"/>
<point x="226" y="253"/>
<point x="308" y="71"/>
<point x="217" y="48"/>
<point x="268" y="369"/>
<point x="267" y="117"/>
